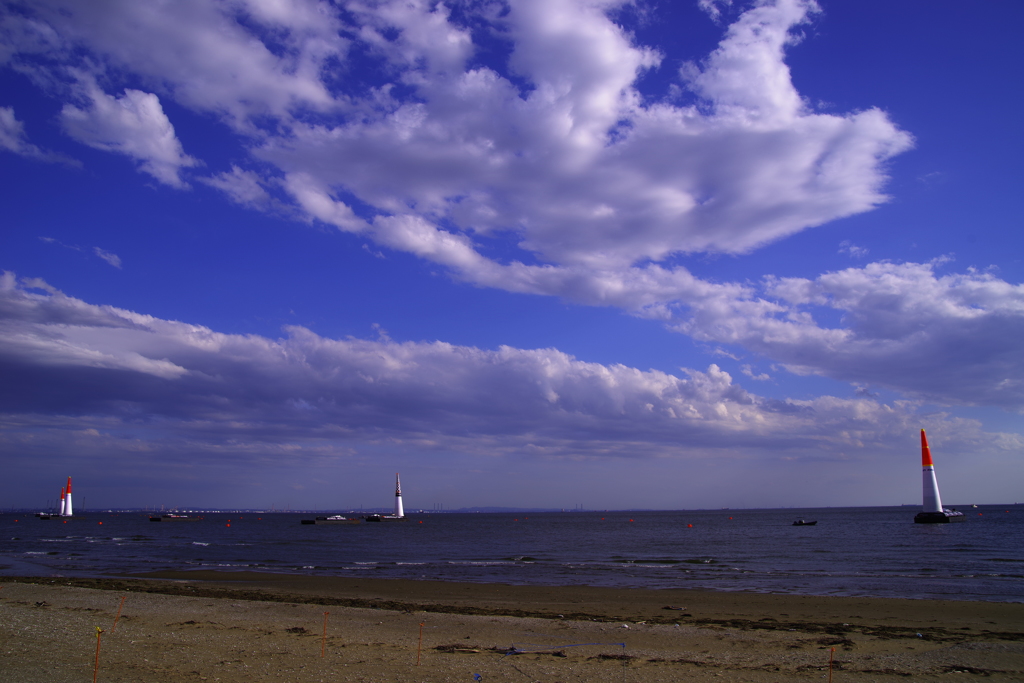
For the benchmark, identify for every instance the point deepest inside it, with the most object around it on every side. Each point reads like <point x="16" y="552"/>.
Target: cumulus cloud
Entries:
<point x="552" y="148"/>
<point x="577" y="171"/>
<point x="133" y="124"/>
<point x="953" y="339"/>
<point x="82" y="359"/>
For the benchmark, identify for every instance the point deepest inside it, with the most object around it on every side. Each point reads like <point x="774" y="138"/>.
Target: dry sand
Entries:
<point x="236" y="627"/>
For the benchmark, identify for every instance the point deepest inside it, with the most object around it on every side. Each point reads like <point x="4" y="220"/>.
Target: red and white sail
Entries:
<point x="932" y="502"/>
<point x="67" y="501"/>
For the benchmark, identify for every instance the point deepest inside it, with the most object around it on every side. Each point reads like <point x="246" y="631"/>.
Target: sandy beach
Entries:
<point x="229" y="627"/>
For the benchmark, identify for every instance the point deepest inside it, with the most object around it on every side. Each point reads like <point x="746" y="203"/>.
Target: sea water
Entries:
<point x="850" y="551"/>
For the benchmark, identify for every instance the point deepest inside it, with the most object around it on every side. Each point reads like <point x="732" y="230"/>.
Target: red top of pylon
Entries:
<point x="926" y="453"/>
<point x="69" y="484"/>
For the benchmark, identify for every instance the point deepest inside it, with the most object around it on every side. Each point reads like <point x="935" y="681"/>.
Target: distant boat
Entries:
<point x="804" y="522"/>
<point x="333" y="519"/>
<point x="385" y="518"/>
<point x="174" y="518"/>
<point x="932" y="511"/>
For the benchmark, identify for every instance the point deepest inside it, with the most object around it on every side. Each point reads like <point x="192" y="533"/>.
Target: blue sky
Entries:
<point x="665" y="255"/>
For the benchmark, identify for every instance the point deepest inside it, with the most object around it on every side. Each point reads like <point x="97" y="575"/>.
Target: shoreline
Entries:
<point x="249" y="626"/>
<point x="572" y="602"/>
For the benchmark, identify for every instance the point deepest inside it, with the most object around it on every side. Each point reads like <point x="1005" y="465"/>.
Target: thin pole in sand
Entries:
<point x="831" y="654"/>
<point x="323" y="641"/>
<point x="114" y="627"/>
<point x="96" y="666"/>
<point x="419" y="648"/>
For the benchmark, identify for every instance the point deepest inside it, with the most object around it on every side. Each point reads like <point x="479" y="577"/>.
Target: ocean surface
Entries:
<point x="851" y="551"/>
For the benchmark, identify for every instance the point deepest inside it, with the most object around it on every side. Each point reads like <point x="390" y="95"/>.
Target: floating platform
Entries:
<point x="333" y="519"/>
<point x="174" y="518"/>
<point x="944" y="517"/>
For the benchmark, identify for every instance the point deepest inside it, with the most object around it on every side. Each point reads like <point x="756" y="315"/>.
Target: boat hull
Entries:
<point x="938" y="517"/>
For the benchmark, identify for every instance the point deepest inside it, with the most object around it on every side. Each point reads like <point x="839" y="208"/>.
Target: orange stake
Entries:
<point x="419" y="648"/>
<point x="831" y="654"/>
<point x="96" y="666"/>
<point x="114" y="627"/>
<point x="323" y="641"/>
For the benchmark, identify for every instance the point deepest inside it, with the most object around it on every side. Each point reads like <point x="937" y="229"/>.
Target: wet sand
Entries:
<point x="250" y="627"/>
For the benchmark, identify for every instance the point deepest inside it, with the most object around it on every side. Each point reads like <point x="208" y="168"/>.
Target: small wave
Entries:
<point x="649" y="562"/>
<point x="199" y="543"/>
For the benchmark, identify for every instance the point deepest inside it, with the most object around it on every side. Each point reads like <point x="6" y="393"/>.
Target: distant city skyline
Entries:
<point x="535" y="254"/>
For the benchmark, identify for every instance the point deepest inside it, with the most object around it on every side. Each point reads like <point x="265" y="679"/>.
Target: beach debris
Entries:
<point x="323" y="641"/>
<point x="477" y="677"/>
<point x="625" y="626"/>
<point x="617" y="658"/>
<point x="419" y="647"/>
<point x="457" y="648"/>
<point x="673" y="607"/>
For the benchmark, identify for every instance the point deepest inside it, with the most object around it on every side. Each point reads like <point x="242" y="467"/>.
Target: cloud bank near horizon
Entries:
<point x="146" y="384"/>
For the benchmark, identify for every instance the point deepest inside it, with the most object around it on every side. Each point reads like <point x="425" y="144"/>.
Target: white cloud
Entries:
<point x="13" y="139"/>
<point x="243" y="187"/>
<point x="134" y="125"/>
<point x="748" y="370"/>
<point x="112" y="259"/>
<point x="848" y="247"/>
<point x="713" y="8"/>
<point x="12" y="135"/>
<point x="198" y="50"/>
